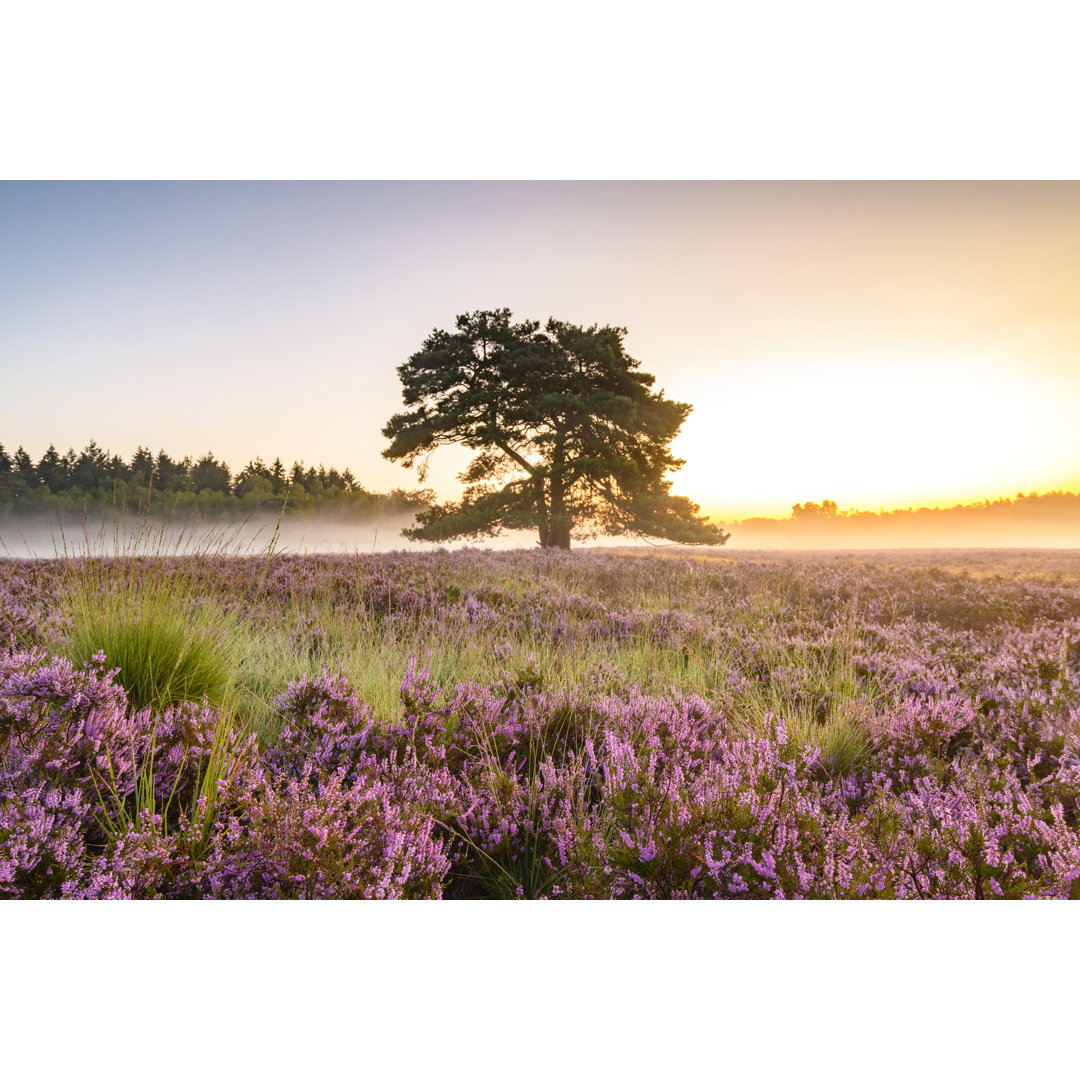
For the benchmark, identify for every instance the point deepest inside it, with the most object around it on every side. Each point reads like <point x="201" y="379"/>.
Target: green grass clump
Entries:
<point x="144" y="606"/>
<point x="166" y="651"/>
<point x="843" y="742"/>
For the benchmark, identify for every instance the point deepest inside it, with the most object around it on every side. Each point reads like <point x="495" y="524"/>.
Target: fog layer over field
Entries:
<point x="29" y="538"/>
<point x="787" y="535"/>
<point x="26" y="537"/>
<point x="46" y="538"/>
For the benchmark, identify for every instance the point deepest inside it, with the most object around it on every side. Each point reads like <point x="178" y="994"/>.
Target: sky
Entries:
<point x="879" y="344"/>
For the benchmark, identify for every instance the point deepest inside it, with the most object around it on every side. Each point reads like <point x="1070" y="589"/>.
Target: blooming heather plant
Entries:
<point x="18" y="626"/>
<point x="326" y="728"/>
<point x="62" y="725"/>
<point x="81" y="774"/>
<point x="42" y="841"/>
<point x="320" y="837"/>
<point x="594" y="727"/>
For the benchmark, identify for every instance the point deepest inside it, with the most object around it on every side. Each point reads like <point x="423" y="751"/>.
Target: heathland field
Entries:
<point x="594" y="724"/>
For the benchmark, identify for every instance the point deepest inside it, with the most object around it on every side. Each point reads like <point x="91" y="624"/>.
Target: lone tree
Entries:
<point x="571" y="439"/>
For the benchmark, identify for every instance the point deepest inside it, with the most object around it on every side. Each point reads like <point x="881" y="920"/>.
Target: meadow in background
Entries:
<point x="601" y="724"/>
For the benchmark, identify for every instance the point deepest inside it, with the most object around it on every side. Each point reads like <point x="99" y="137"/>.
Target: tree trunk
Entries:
<point x="560" y="534"/>
<point x="556" y="535"/>
<point x="559" y="522"/>
<point x="542" y="511"/>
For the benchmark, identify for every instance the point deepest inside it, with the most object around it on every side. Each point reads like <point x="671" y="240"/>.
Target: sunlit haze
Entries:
<point x="881" y="345"/>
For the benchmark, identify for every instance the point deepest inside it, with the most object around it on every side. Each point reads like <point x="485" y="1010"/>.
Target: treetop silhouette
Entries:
<point x="571" y="439"/>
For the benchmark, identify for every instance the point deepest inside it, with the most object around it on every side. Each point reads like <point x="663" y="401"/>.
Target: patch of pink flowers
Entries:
<point x="966" y="786"/>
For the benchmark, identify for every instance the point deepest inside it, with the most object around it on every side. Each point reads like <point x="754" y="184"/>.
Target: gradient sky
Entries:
<point x="879" y="344"/>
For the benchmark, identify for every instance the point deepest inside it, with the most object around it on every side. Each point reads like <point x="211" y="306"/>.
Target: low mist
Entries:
<point x="45" y="538"/>
<point x="22" y="538"/>
<point x="844" y="535"/>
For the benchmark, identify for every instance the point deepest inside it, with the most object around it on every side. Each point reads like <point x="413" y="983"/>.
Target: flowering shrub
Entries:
<point x="320" y="837"/>
<point x="825" y="731"/>
<point x="42" y="850"/>
<point x="141" y="862"/>
<point x="327" y="729"/>
<point x="18" y="627"/>
<point x="62" y="725"/>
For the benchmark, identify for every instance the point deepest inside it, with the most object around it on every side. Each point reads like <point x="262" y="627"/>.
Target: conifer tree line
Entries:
<point x="96" y="479"/>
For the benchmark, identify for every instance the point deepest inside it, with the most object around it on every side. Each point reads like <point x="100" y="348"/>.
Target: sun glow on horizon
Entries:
<point x="875" y="432"/>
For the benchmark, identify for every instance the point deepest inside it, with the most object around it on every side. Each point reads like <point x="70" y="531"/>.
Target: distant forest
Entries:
<point x="97" y="481"/>
<point x="1049" y="518"/>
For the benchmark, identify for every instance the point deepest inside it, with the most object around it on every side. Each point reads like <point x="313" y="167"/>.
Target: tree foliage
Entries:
<point x="96" y="480"/>
<point x="571" y="440"/>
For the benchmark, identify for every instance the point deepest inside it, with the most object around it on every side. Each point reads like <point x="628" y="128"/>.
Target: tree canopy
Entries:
<point x="571" y="439"/>
<point x="97" y="480"/>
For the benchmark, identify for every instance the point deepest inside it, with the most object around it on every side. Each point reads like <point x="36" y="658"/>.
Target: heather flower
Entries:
<point x="42" y="847"/>
<point x="964" y="695"/>
<point x="319" y="837"/>
<point x="326" y="726"/>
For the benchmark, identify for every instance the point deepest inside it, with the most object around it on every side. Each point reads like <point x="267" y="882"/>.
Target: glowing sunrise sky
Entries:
<point x="879" y="344"/>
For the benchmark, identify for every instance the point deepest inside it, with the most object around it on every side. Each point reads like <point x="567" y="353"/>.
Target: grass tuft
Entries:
<point x="145" y="607"/>
<point x="165" y="651"/>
